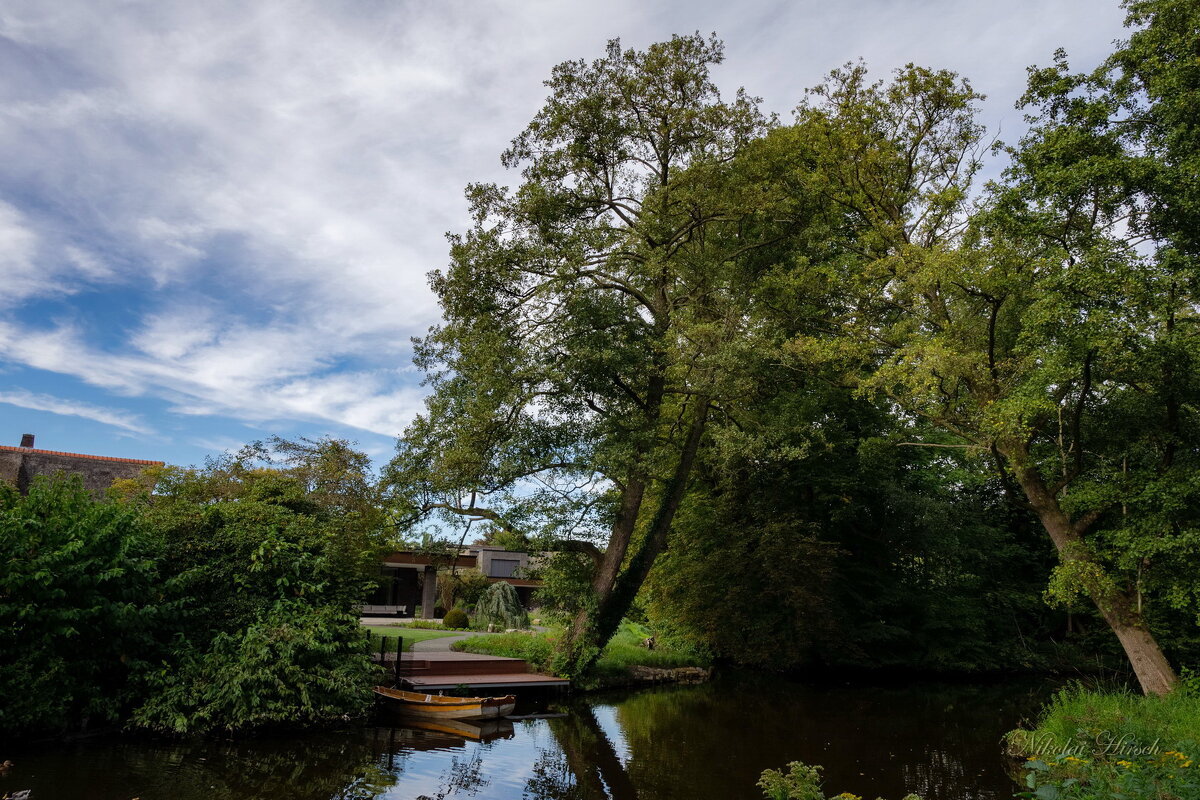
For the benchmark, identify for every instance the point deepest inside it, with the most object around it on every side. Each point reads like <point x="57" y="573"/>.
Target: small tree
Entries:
<point x="501" y="607"/>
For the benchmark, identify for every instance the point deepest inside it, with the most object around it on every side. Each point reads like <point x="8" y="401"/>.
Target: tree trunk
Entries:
<point x="1153" y="670"/>
<point x="614" y="591"/>
<point x="1151" y="667"/>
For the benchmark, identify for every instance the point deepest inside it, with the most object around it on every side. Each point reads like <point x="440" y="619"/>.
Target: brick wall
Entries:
<point x="20" y="465"/>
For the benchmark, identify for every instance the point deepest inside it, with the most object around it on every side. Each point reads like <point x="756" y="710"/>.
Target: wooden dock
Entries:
<point x="433" y="671"/>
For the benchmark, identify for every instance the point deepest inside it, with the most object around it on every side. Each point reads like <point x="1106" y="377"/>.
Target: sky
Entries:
<point x="217" y="219"/>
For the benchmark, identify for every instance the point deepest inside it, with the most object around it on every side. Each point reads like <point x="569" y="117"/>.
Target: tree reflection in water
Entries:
<point x="669" y="743"/>
<point x="464" y="775"/>
<point x="592" y="766"/>
<point x="552" y="779"/>
<point x="333" y="766"/>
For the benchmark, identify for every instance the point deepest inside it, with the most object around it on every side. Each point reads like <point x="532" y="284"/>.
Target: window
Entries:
<point x="503" y="567"/>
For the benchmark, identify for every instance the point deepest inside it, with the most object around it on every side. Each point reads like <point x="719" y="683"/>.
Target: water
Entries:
<point x="688" y="742"/>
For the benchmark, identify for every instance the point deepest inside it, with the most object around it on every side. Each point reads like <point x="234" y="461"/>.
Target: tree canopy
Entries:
<point x="624" y="327"/>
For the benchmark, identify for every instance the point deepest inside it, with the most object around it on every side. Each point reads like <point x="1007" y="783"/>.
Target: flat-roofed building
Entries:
<point x="409" y="578"/>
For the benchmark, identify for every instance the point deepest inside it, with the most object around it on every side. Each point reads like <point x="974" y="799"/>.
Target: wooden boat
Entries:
<point x="433" y="706"/>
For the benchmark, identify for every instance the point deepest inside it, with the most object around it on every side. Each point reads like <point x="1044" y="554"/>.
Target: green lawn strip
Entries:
<point x="623" y="651"/>
<point x="1090" y="745"/>
<point x="411" y="635"/>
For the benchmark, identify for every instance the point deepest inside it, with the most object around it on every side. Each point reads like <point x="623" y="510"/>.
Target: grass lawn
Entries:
<point x="411" y="635"/>
<point x="624" y="651"/>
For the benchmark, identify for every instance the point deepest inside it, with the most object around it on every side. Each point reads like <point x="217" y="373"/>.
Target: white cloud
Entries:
<point x="260" y="189"/>
<point x="252" y="375"/>
<point x="75" y="408"/>
<point x="19" y="274"/>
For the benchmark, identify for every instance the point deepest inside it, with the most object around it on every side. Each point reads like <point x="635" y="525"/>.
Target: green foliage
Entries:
<point x="566" y="584"/>
<point x="627" y="649"/>
<point x="508" y="539"/>
<point x="269" y="559"/>
<point x="296" y="664"/>
<point x="1046" y="330"/>
<point x="500" y="607"/>
<point x="1090" y="745"/>
<point x="842" y="549"/>
<point x="536" y="649"/>
<point x="752" y="590"/>
<point x="456" y="619"/>
<point x="429" y="624"/>
<point x="800" y="782"/>
<point x="82" y="606"/>
<point x="461" y="587"/>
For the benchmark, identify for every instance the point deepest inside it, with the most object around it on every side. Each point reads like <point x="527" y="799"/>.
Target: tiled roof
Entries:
<point x="8" y="449"/>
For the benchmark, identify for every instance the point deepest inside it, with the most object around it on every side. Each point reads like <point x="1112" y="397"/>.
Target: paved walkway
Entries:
<point x="442" y="644"/>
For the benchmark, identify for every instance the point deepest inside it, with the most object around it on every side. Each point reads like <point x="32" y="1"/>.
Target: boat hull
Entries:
<point x="434" y="707"/>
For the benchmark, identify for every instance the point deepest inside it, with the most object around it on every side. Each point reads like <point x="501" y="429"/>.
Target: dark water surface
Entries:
<point x="707" y="742"/>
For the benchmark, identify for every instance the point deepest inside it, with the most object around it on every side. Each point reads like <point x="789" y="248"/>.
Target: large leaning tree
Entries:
<point x="1110" y="177"/>
<point x="595" y="318"/>
<point x="1050" y="328"/>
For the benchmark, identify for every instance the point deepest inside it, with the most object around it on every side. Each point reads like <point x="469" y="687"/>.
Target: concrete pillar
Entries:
<point x="429" y="593"/>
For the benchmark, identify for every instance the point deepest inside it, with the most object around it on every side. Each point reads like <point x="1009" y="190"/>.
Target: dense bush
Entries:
<point x="269" y="563"/>
<point x="860" y="554"/>
<point x="296" y="664"/>
<point x="82" y="606"/>
<point x="221" y="601"/>
<point x="456" y="619"/>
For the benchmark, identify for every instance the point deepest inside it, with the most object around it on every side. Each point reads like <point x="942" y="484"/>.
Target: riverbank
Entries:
<point x="625" y="662"/>
<point x="1089" y="745"/>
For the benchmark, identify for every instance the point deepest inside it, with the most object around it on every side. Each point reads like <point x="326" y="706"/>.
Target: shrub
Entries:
<point x="501" y="607"/>
<point x="297" y="664"/>
<point x="800" y="782"/>
<point x="267" y="565"/>
<point x="535" y="648"/>
<point x="81" y="606"/>
<point x="456" y="619"/>
<point x="422" y="624"/>
<point x="222" y="602"/>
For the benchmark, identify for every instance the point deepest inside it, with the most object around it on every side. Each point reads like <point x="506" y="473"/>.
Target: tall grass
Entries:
<point x="1079" y="713"/>
<point x="1090" y="745"/>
